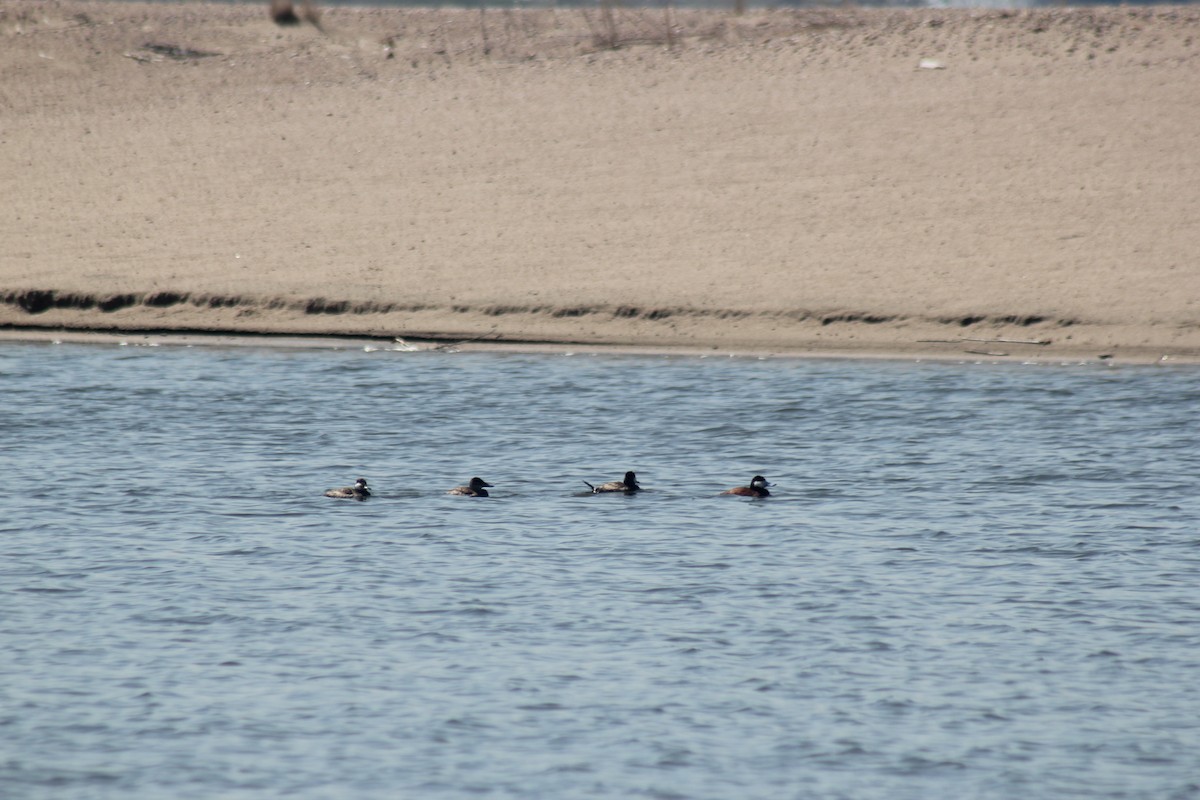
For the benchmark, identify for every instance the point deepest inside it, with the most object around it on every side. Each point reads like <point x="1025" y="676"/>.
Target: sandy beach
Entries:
<point x="1011" y="184"/>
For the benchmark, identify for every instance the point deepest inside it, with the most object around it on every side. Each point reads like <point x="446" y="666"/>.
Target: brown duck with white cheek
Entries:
<point x="757" y="488"/>
<point x="628" y="486"/>
<point x="358" y="491"/>
<point x="476" y="488"/>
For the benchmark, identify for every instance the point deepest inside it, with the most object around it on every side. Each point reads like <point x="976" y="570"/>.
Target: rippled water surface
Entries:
<point x="972" y="581"/>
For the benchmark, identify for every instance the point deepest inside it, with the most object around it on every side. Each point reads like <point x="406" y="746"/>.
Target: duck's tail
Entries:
<point x="593" y="488"/>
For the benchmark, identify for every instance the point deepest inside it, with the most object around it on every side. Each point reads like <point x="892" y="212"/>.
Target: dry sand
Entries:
<point x="786" y="181"/>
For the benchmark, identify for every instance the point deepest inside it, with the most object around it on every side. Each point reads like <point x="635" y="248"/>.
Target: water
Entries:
<point x="972" y="581"/>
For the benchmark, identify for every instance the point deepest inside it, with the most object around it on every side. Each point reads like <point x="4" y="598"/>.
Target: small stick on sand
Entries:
<point x="960" y="340"/>
<point x="1009" y="341"/>
<point x="451" y="345"/>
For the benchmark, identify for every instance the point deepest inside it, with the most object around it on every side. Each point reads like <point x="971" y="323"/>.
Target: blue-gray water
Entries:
<point x="973" y="581"/>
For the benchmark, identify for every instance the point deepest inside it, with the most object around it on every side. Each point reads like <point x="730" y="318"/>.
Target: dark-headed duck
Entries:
<point x="473" y="489"/>
<point x="757" y="488"/>
<point x="358" y="491"/>
<point x="628" y="486"/>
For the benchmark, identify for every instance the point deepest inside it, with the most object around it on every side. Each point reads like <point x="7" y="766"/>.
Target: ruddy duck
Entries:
<point x="473" y="489"/>
<point x="358" y="491"/>
<point x="757" y="488"/>
<point x="628" y="486"/>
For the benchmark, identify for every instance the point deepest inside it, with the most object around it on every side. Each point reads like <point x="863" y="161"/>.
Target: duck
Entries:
<point x="473" y="489"/>
<point x="629" y="485"/>
<point x="358" y="491"/>
<point x="757" y="488"/>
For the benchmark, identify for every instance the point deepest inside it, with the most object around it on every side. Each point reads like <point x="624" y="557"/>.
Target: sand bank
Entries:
<point x="816" y="181"/>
